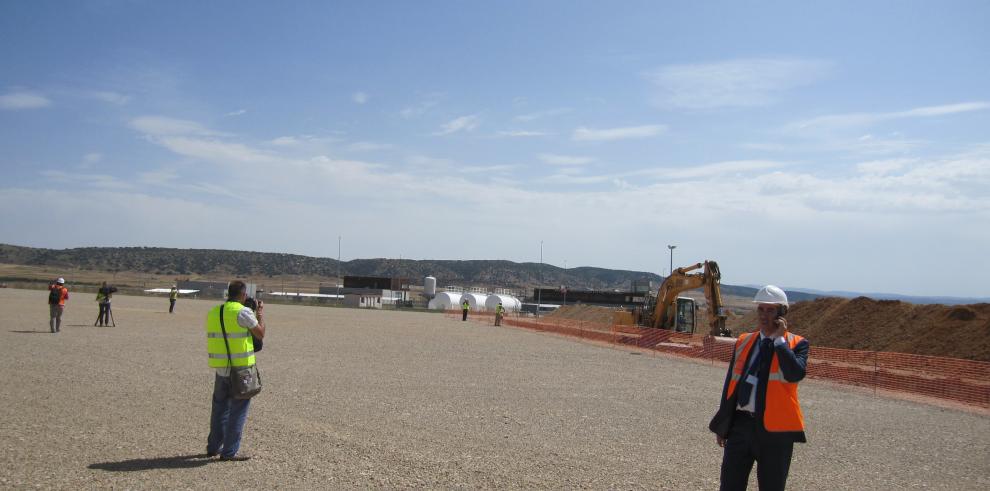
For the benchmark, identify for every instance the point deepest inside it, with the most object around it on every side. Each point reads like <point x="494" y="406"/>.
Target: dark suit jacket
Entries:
<point x="793" y="365"/>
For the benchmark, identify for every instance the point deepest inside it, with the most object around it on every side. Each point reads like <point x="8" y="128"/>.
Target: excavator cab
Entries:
<point x="685" y="320"/>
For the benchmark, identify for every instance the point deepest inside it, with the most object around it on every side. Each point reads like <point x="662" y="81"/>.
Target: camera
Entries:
<point x="251" y="303"/>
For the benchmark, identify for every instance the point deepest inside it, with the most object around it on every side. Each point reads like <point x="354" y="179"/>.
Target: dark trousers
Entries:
<point x="226" y="420"/>
<point x="747" y="444"/>
<point x="104" y="317"/>
<point x="464" y="315"/>
<point x="171" y="305"/>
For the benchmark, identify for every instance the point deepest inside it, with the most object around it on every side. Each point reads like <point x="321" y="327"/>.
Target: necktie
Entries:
<point x="746" y="388"/>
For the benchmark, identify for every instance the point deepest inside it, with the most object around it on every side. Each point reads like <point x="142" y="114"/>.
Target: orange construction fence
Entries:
<point x="950" y="379"/>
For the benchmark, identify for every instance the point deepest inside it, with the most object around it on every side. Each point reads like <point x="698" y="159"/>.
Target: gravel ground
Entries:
<point x="370" y="399"/>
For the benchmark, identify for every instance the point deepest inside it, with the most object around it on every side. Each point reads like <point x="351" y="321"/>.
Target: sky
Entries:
<point x="827" y="145"/>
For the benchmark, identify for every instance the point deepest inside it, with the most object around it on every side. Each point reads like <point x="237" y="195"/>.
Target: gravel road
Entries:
<point x="373" y="399"/>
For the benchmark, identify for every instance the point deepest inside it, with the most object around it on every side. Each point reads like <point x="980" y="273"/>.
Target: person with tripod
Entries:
<point x="103" y="296"/>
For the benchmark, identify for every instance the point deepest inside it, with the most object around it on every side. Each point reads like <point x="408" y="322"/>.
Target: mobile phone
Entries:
<point x="781" y="310"/>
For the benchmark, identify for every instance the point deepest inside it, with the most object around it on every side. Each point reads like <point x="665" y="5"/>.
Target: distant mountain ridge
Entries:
<point x="916" y="299"/>
<point x="225" y="263"/>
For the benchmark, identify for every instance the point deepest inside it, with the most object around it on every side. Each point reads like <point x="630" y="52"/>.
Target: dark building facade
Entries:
<point x="376" y="282"/>
<point x="594" y="297"/>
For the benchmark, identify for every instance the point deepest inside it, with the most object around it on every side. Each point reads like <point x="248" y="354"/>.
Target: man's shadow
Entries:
<point x="177" y="462"/>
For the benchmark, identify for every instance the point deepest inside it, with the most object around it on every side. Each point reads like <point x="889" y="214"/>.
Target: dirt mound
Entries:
<point x="862" y="323"/>
<point x="588" y="313"/>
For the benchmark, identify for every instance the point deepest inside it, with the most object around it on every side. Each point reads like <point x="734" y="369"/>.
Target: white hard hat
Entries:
<point x="60" y="281"/>
<point x="771" y="294"/>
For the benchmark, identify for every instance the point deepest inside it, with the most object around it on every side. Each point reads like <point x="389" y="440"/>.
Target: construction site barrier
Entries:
<point x="950" y="379"/>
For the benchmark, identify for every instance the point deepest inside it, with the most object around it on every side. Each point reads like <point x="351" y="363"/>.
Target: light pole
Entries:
<point x="563" y="283"/>
<point x="338" y="270"/>
<point x="539" y="286"/>
<point x="671" y="247"/>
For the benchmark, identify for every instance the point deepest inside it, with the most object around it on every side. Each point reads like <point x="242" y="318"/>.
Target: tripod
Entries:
<point x="109" y="315"/>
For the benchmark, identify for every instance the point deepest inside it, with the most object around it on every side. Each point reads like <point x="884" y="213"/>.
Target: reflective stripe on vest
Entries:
<point x="232" y="355"/>
<point x="230" y="335"/>
<point x="781" y="412"/>
<point x="240" y="340"/>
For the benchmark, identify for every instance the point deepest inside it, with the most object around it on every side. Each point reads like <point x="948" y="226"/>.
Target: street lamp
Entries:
<point x="539" y="287"/>
<point x="563" y="283"/>
<point x="338" y="270"/>
<point x="671" y="247"/>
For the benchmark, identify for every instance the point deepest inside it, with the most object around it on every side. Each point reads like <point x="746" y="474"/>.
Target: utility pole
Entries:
<point x="671" y="247"/>
<point x="338" y="270"/>
<point x="539" y="287"/>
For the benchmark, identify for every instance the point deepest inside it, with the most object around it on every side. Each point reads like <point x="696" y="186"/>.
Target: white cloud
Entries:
<point x="623" y="133"/>
<point x="109" y="97"/>
<point x="857" y="120"/>
<point x="368" y="146"/>
<point x="21" y="99"/>
<point x="285" y="141"/>
<point x="543" y="114"/>
<point x="554" y="159"/>
<point x="162" y="125"/>
<point x="428" y="102"/>
<point x="883" y="167"/>
<point x="707" y="171"/>
<point x="463" y="123"/>
<point x="93" y="158"/>
<point x="215" y="150"/>
<point x="521" y="133"/>
<point x="102" y="181"/>
<point x="238" y="112"/>
<point x="733" y="83"/>
<point x="359" y="97"/>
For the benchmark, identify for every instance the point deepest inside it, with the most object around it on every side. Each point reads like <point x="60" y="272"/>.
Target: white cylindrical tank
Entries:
<point x="475" y="300"/>
<point x="509" y="303"/>
<point x="430" y="287"/>
<point x="445" y="301"/>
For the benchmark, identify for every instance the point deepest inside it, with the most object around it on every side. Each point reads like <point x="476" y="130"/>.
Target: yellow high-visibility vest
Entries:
<point x="240" y="340"/>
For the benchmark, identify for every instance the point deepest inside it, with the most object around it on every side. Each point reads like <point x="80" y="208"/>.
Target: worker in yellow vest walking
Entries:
<point x="499" y="312"/>
<point x="465" y="307"/>
<point x="241" y="325"/>
<point x="759" y="416"/>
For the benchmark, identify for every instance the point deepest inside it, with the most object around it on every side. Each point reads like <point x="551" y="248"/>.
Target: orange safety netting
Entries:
<point x="950" y="379"/>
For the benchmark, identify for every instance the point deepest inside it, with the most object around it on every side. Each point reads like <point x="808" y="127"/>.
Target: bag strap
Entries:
<point x="224" y="330"/>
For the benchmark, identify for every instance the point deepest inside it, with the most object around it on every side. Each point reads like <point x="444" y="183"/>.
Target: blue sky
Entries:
<point x="829" y="145"/>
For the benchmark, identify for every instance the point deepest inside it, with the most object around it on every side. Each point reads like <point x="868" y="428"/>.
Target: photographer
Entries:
<point x="57" y="295"/>
<point x="230" y="344"/>
<point x="103" y="296"/>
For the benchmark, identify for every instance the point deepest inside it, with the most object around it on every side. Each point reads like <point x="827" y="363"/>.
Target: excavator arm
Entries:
<point x="680" y="280"/>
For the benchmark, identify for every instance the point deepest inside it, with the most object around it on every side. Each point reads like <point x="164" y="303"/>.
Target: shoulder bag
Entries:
<point x="245" y="382"/>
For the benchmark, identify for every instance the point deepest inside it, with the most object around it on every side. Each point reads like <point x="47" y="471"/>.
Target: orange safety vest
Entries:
<point x="782" y="412"/>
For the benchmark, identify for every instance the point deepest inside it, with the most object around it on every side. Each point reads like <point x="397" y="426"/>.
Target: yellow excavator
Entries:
<point x="666" y="310"/>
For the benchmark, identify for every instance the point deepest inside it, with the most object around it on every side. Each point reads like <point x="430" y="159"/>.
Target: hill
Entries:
<point x="216" y="263"/>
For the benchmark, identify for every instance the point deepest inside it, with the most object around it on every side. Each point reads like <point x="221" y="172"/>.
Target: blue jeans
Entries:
<point x="227" y="420"/>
